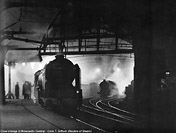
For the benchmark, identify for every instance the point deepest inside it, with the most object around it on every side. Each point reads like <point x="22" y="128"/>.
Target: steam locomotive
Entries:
<point x="57" y="85"/>
<point x="108" y="89"/>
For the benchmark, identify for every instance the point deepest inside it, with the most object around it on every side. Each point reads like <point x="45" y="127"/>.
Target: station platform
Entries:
<point x="25" y="116"/>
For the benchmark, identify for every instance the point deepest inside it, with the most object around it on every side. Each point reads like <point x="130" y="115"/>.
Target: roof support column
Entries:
<point x="2" y="78"/>
<point x="142" y="73"/>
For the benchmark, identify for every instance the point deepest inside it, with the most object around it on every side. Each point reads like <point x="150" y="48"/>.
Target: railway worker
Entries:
<point x="17" y="89"/>
<point x="27" y="90"/>
<point x="24" y="89"/>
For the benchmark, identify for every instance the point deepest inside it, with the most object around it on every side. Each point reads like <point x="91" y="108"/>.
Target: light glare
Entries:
<point x="97" y="70"/>
<point x="23" y="63"/>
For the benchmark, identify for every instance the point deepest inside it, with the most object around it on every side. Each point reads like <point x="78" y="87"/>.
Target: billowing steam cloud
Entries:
<point x="22" y="72"/>
<point x="93" y="70"/>
<point x="109" y="67"/>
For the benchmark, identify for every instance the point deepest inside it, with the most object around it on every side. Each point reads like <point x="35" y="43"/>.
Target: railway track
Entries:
<point x="96" y="114"/>
<point x="115" y="113"/>
<point x="80" y="117"/>
<point x="92" y="112"/>
<point x="103" y="108"/>
<point x="109" y="103"/>
<point x="141" y="120"/>
<point x="106" y="104"/>
<point x="38" y="115"/>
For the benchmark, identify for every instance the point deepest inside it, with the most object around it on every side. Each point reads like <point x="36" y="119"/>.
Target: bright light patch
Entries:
<point x="97" y="70"/>
<point x="118" y="69"/>
<point x="40" y="66"/>
<point x="167" y="73"/>
<point x="32" y="65"/>
<point x="23" y="63"/>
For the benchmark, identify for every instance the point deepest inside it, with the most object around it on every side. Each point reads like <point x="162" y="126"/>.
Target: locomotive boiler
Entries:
<point x="108" y="89"/>
<point x="57" y="85"/>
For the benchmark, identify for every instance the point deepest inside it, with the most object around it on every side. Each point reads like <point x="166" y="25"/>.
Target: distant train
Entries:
<point x="108" y="89"/>
<point x="129" y="92"/>
<point x="57" y="85"/>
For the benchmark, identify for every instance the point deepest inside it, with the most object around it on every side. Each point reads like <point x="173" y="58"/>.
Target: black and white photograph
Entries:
<point x="87" y="66"/>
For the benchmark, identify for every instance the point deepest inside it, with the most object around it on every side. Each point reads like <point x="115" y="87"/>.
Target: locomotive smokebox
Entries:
<point x="58" y="84"/>
<point x="108" y="89"/>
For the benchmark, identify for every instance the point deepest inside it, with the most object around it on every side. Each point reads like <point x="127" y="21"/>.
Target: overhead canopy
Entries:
<point x="30" y="28"/>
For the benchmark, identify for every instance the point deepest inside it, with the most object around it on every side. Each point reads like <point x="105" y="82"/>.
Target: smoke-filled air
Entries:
<point x="94" y="68"/>
<point x="110" y="67"/>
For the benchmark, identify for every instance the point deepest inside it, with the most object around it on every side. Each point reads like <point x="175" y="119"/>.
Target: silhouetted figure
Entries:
<point x="24" y="88"/>
<point x="17" y="89"/>
<point x="27" y="90"/>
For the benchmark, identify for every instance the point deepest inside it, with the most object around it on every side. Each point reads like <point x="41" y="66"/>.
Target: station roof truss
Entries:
<point x="44" y="27"/>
